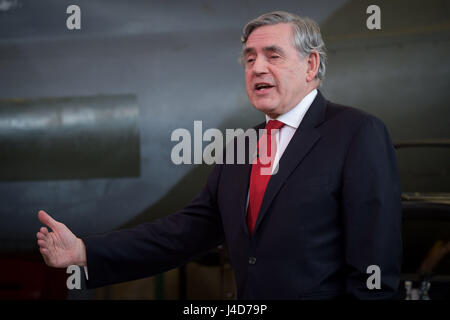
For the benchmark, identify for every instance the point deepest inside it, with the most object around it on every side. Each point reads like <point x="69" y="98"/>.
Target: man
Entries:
<point x="331" y="212"/>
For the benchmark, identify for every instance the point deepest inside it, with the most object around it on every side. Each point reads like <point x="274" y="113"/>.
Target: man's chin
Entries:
<point x="267" y="109"/>
<point x="263" y="104"/>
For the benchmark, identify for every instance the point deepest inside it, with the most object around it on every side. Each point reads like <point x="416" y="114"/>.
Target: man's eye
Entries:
<point x="250" y="60"/>
<point x="274" y="57"/>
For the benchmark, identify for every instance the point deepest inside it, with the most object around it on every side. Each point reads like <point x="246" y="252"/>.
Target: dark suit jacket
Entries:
<point x="332" y="210"/>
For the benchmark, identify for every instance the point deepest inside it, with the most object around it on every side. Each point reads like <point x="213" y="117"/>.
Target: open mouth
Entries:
<point x="263" y="87"/>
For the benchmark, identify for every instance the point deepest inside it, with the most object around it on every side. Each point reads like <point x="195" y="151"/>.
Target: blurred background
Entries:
<point x="86" y="118"/>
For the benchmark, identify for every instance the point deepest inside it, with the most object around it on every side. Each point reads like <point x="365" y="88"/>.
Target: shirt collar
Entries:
<point x="294" y="117"/>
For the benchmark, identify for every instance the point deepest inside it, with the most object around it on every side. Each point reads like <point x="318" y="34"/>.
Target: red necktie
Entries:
<point x="261" y="171"/>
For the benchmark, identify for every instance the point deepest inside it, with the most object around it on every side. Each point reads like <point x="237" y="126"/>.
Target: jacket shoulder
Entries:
<point x="350" y="116"/>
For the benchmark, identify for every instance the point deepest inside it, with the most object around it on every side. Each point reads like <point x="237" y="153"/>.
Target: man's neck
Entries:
<point x="276" y="115"/>
<point x="294" y="116"/>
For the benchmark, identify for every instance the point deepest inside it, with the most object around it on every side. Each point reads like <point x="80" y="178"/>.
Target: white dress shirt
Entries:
<point x="292" y="120"/>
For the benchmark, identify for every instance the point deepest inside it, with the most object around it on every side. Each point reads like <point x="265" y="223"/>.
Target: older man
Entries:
<point x="317" y="229"/>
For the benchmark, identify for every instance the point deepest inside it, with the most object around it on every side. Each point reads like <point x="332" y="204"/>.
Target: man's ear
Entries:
<point x="313" y="61"/>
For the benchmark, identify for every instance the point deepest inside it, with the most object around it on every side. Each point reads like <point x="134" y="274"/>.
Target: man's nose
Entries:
<point x="260" y="65"/>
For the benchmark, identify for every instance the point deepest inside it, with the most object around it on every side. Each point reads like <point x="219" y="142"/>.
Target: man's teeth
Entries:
<point x="263" y="86"/>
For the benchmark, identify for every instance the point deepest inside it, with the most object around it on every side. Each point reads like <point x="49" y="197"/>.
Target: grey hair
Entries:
<point x="306" y="35"/>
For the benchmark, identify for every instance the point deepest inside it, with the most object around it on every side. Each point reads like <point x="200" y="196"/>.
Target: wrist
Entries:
<point x="81" y="259"/>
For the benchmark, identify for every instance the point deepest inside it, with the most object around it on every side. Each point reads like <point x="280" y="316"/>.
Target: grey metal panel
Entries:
<point x="69" y="138"/>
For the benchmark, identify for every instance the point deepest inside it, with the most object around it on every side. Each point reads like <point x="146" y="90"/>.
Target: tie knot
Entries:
<point x="273" y="124"/>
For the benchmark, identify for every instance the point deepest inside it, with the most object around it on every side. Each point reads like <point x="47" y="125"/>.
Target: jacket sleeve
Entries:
<point x="158" y="246"/>
<point x="371" y="203"/>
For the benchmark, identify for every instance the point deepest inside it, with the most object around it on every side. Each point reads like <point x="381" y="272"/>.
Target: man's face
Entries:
<point x="275" y="73"/>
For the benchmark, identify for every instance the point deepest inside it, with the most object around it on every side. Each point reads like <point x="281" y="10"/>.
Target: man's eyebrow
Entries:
<point x="248" y="50"/>
<point x="274" y="48"/>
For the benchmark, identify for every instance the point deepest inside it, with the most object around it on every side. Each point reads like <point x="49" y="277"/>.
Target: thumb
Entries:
<point x="46" y="219"/>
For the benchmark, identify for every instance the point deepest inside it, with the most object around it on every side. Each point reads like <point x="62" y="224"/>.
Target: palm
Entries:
<point x="59" y="248"/>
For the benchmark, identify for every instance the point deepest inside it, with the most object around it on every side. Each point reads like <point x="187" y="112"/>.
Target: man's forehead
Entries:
<point x="270" y="35"/>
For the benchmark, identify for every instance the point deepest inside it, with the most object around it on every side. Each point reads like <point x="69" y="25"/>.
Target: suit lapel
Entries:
<point x="305" y="137"/>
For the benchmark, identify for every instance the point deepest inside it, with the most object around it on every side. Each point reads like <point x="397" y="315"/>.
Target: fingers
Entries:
<point x="41" y="236"/>
<point x="44" y="253"/>
<point x="42" y="240"/>
<point x="42" y="244"/>
<point x="46" y="219"/>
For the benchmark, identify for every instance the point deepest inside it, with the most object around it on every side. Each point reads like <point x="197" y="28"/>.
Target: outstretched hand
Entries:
<point x="59" y="248"/>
